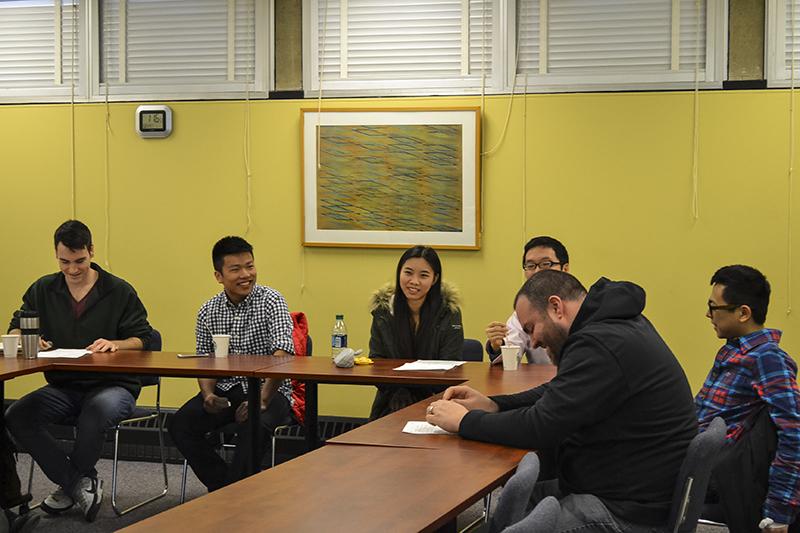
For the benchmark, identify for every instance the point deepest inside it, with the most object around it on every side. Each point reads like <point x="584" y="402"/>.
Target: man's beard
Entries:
<point x="555" y="338"/>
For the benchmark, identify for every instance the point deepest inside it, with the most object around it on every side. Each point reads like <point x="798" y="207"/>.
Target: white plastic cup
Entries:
<point x="510" y="357"/>
<point x="10" y="344"/>
<point x="221" y="345"/>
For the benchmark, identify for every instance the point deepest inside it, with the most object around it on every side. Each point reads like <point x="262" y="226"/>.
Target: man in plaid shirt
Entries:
<point x="258" y="321"/>
<point x="752" y="375"/>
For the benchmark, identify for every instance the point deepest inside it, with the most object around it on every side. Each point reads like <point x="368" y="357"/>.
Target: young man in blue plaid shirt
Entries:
<point x="753" y="387"/>
<point x="258" y="321"/>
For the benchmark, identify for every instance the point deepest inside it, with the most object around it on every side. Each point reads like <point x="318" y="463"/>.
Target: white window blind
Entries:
<point x="399" y="45"/>
<point x="590" y="43"/>
<point x="39" y="48"/>
<point x="179" y="48"/>
<point x="783" y="42"/>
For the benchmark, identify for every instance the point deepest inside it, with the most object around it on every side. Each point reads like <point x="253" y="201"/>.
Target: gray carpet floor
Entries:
<point x="137" y="481"/>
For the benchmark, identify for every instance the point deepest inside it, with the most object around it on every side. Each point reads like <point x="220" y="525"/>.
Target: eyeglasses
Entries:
<point x="726" y="307"/>
<point x="542" y="265"/>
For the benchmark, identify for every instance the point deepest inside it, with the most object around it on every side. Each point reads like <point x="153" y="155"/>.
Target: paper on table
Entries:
<point x="63" y="353"/>
<point x="423" y="428"/>
<point x="424" y="364"/>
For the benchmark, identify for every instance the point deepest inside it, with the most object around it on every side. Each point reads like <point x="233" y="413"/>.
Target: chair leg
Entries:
<point x="183" y="480"/>
<point x="117" y="510"/>
<point x="30" y="475"/>
<point x="30" y="482"/>
<point x="483" y="519"/>
<point x="273" y="450"/>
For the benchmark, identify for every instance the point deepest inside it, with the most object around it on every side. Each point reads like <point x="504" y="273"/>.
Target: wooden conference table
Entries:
<point x="371" y="478"/>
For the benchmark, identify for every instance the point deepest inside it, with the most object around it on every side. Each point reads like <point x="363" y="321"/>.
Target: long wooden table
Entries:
<point x="373" y="478"/>
<point x="347" y="488"/>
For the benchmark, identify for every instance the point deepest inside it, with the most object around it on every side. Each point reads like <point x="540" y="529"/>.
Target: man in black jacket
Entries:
<point x="619" y="410"/>
<point x="82" y="306"/>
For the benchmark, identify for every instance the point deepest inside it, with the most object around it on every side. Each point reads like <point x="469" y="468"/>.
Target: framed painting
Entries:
<point x="391" y="178"/>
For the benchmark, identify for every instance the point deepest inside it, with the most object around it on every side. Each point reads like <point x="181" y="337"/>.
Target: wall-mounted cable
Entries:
<point x="696" y="117"/>
<point x="247" y="116"/>
<point x="74" y="37"/>
<point x="790" y="173"/>
<point x="493" y="149"/>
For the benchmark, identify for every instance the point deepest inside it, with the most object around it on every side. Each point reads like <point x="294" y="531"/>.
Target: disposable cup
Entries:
<point x="510" y="357"/>
<point x="10" y="343"/>
<point x="221" y="345"/>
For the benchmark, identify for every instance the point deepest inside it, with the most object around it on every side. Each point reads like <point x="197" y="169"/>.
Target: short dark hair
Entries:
<point x="549" y="283"/>
<point x="549" y="242"/>
<point x="230" y="245"/>
<point x="744" y="285"/>
<point x="73" y="234"/>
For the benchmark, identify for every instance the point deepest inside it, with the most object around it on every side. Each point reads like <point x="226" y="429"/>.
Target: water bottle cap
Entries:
<point x="339" y="317"/>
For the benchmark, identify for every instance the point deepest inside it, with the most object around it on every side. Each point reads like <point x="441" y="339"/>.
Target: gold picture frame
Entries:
<point x="391" y="178"/>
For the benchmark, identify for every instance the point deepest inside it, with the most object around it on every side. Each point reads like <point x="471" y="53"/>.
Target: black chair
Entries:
<point x="139" y="418"/>
<point x="472" y="350"/>
<point x="695" y="472"/>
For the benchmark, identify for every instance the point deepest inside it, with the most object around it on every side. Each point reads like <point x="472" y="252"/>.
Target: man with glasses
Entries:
<point x="541" y="253"/>
<point x="753" y="387"/>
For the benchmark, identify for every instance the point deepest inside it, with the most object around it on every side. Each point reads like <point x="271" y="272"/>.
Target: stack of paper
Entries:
<point x="66" y="354"/>
<point x="425" y="364"/>
<point x="423" y="428"/>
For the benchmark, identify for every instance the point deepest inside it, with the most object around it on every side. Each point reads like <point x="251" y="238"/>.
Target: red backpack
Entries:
<point x="299" y="337"/>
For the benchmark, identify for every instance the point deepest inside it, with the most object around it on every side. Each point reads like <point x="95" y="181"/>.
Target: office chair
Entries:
<point x="472" y="350"/>
<point x="695" y="472"/>
<point x="141" y="416"/>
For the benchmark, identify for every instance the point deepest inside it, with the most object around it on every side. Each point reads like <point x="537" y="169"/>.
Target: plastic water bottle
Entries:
<point x="338" y="336"/>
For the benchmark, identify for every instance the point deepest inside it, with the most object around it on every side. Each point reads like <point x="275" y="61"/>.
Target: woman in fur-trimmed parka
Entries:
<point x="417" y="318"/>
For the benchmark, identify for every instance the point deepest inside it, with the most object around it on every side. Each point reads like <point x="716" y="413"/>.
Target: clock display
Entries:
<point x="152" y="120"/>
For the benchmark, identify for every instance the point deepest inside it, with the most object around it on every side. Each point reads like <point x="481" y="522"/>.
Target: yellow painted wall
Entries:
<point x="608" y="174"/>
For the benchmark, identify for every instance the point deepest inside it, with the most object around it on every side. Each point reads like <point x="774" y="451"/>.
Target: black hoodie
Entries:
<point x="619" y="410"/>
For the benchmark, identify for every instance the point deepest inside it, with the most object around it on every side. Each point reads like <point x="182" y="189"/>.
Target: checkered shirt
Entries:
<point x="259" y="324"/>
<point x="748" y="372"/>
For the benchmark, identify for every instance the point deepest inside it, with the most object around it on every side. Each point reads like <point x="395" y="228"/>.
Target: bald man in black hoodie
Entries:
<point x="619" y="411"/>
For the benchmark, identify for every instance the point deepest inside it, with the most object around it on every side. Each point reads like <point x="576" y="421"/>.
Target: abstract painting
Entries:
<point x="391" y="178"/>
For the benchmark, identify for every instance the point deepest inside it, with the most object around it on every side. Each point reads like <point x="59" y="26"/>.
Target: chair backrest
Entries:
<point x="472" y="350"/>
<point x="155" y="346"/>
<point x="543" y="518"/>
<point x="692" y="482"/>
<point x="516" y="494"/>
<point x="309" y="345"/>
<point x="155" y="341"/>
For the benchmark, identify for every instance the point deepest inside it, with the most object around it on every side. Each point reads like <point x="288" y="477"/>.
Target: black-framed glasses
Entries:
<point x="726" y="307"/>
<point x="542" y="265"/>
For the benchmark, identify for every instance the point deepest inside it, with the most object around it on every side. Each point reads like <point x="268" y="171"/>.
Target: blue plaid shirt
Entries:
<point x="259" y="324"/>
<point x="748" y="372"/>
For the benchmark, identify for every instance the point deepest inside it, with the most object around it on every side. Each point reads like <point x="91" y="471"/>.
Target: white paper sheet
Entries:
<point x="424" y="364"/>
<point x="423" y="428"/>
<point x="63" y="353"/>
